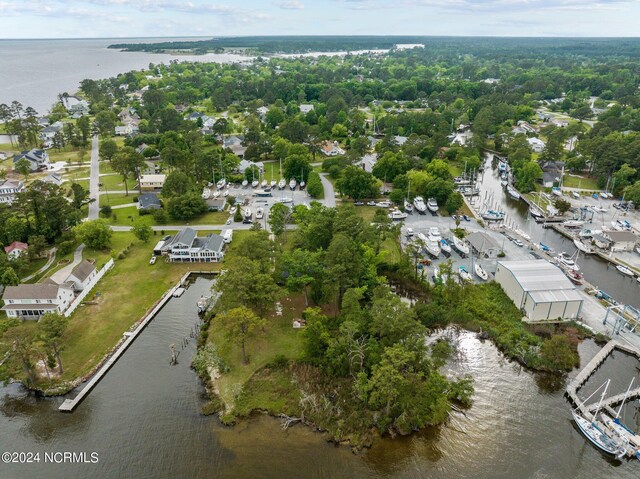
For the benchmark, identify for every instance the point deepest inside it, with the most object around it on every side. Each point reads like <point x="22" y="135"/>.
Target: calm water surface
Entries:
<point x="143" y="419"/>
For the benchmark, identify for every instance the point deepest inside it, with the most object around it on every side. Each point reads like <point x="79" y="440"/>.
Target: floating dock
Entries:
<point x="130" y="336"/>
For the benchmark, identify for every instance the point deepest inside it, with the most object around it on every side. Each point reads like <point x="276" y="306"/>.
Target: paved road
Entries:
<point x="61" y="275"/>
<point x="329" y="193"/>
<point x="52" y="256"/>
<point x="94" y="180"/>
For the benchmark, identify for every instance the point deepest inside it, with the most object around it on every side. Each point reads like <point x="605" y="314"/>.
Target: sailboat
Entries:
<point x="302" y="182"/>
<point x="464" y="274"/>
<point x="292" y="184"/>
<point x="624" y="270"/>
<point x="460" y="246"/>
<point x="273" y="178"/>
<point x="255" y="182"/>
<point x="592" y="430"/>
<point x="480" y="272"/>
<point x="630" y="438"/>
<point x="282" y="183"/>
<point x="408" y="207"/>
<point x="582" y="247"/>
<point x="245" y="183"/>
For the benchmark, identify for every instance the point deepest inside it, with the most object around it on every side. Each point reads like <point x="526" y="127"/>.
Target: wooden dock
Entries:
<point x="70" y="404"/>
<point x="590" y="368"/>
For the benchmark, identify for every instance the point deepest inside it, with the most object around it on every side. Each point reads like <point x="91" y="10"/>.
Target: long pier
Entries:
<point x="590" y="368"/>
<point x="70" y="404"/>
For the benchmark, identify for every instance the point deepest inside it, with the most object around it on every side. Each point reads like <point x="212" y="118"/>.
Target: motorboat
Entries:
<point x="408" y="207"/>
<point x="565" y="260"/>
<point x="221" y="184"/>
<point x="259" y="213"/>
<point x="460" y="245"/>
<point x="432" y="205"/>
<point x="397" y="215"/>
<point x="226" y="193"/>
<point x="282" y="183"/>
<point x="384" y="204"/>
<point x="216" y="194"/>
<point x="545" y="248"/>
<point x="575" y="194"/>
<point x="206" y="194"/>
<point x="582" y="247"/>
<point x="438" y="277"/>
<point x="599" y="209"/>
<point x="624" y="270"/>
<point x="285" y="199"/>
<point x="504" y="182"/>
<point x="465" y="276"/>
<point x="434" y="233"/>
<point x="621" y="225"/>
<point x="535" y="211"/>
<point x="480" y="272"/>
<point x="203" y="304"/>
<point x="572" y="223"/>
<point x="556" y="191"/>
<point x="502" y="167"/>
<point x="245" y="183"/>
<point x="445" y="246"/>
<point x="588" y="233"/>
<point x="492" y="215"/>
<point x="247" y="215"/>
<point x="419" y="204"/>
<point x="513" y="192"/>
<point x="432" y="248"/>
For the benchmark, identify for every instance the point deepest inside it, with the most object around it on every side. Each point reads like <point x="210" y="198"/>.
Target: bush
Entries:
<point x="160" y="216"/>
<point x="106" y="211"/>
<point x="213" y="406"/>
<point x="280" y="362"/>
<point x="66" y="247"/>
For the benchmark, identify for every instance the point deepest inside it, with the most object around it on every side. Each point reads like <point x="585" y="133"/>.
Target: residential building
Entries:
<point x="149" y="201"/>
<point x="245" y="164"/>
<point x="82" y="275"/>
<point x="48" y="132"/>
<point x="38" y="159"/>
<point x="216" y="204"/>
<point x="54" y="179"/>
<point x="539" y="289"/>
<point x="331" y="148"/>
<point x="483" y="244"/>
<point x="368" y="161"/>
<point x="16" y="249"/>
<point x="621" y="240"/>
<point x="31" y="301"/>
<point x="124" y="130"/>
<point x="306" y="108"/>
<point x="9" y="189"/>
<point x="80" y="108"/>
<point x="152" y="182"/>
<point x="536" y="144"/>
<point x="552" y="171"/>
<point x="187" y="247"/>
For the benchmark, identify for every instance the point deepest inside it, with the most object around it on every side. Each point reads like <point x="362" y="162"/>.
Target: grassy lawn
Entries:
<point x="115" y="199"/>
<point x="455" y="169"/>
<point x="366" y="212"/>
<point x="113" y="182"/>
<point x="126" y="216"/>
<point x="125" y="294"/>
<point x="392" y="247"/>
<point x="279" y="338"/>
<point x="584" y="182"/>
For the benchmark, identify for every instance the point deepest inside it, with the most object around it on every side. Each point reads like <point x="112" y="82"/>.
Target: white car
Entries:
<point x="152" y="260"/>
<point x="517" y="242"/>
<point x="409" y="232"/>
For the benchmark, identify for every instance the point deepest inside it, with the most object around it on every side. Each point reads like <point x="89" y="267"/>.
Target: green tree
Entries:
<point x="239" y="325"/>
<point x="108" y="149"/>
<point x="302" y="268"/>
<point x="344" y="265"/>
<point x="51" y="328"/>
<point x="278" y="215"/>
<point x="80" y="196"/>
<point x="95" y="234"/>
<point x="142" y="229"/>
<point x="558" y="355"/>
<point x="314" y="185"/>
<point x="357" y="183"/>
<point x="127" y="162"/>
<point x="23" y="167"/>
<point x="454" y="202"/>
<point x="177" y="183"/>
<point x="562" y="205"/>
<point x="186" y="207"/>
<point x="9" y="277"/>
<point x="22" y="341"/>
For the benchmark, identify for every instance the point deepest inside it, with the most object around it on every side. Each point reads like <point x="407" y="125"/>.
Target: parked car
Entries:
<point x="358" y="203"/>
<point x="517" y="242"/>
<point x="466" y="218"/>
<point x="371" y="203"/>
<point x="152" y="260"/>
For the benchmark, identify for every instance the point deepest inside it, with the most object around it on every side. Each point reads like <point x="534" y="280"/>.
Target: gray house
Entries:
<point x="186" y="247"/>
<point x="149" y="201"/>
<point x="38" y="159"/>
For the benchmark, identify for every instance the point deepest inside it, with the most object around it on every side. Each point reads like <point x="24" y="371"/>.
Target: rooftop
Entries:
<point x="538" y="275"/>
<point x="83" y="270"/>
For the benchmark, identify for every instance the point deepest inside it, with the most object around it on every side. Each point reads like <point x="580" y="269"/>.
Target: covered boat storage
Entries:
<point x="539" y="289"/>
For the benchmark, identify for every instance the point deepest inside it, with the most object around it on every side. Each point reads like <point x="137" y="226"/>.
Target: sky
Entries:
<point x="158" y="18"/>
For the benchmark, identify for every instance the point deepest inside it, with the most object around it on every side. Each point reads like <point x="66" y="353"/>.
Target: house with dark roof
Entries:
<point x="54" y="179"/>
<point x="149" y="201"/>
<point x="186" y="247"/>
<point x="38" y="159"/>
<point x="82" y="275"/>
<point x="9" y="189"/>
<point x="31" y="301"/>
<point x="216" y="204"/>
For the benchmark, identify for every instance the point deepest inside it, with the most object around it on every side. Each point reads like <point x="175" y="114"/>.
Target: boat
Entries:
<point x="460" y="246"/>
<point x="273" y="183"/>
<point x="226" y="193"/>
<point x="432" y="205"/>
<point x="206" y="194"/>
<point x="434" y="233"/>
<point x="439" y="278"/>
<point x="624" y="270"/>
<point x="513" y="192"/>
<point x="572" y="223"/>
<point x="545" y="248"/>
<point x="592" y="430"/>
<point x="260" y="213"/>
<point x="628" y="437"/>
<point x="408" y="207"/>
<point x="535" y="211"/>
<point x="245" y="183"/>
<point x="502" y="166"/>
<point x="216" y="194"/>
<point x="464" y="274"/>
<point x="178" y="292"/>
<point x="565" y="260"/>
<point x="504" y="182"/>
<point x="292" y="184"/>
<point x="203" y="304"/>
<point x="492" y="215"/>
<point x="445" y="246"/>
<point x="255" y="183"/>
<point x="582" y="247"/>
<point x="419" y="204"/>
<point x="556" y="191"/>
<point x="247" y="215"/>
<point x="599" y="209"/>
<point x="575" y="194"/>
<point x="285" y="199"/>
<point x="574" y="276"/>
<point x="384" y="204"/>
<point x="621" y="225"/>
<point x="432" y="248"/>
<point x="282" y="183"/>
<point x="221" y="184"/>
<point x="302" y="182"/>
<point x="263" y="184"/>
<point x="480" y="272"/>
<point x="397" y="215"/>
<point x="588" y="233"/>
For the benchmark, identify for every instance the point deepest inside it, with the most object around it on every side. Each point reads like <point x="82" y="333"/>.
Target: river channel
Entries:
<point x="597" y="271"/>
<point x="143" y="419"/>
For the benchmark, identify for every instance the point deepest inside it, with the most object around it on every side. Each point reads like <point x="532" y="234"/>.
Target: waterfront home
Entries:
<point x="234" y="143"/>
<point x="195" y="116"/>
<point x="536" y="144"/>
<point x="80" y="108"/>
<point x="601" y="241"/>
<point x="31" y="301"/>
<point x="149" y="201"/>
<point x="331" y="148"/>
<point x="152" y="182"/>
<point x="38" y="159"/>
<point x="552" y="172"/>
<point x="82" y="275"/>
<point x="16" y="249"/>
<point x="305" y="108"/>
<point x="539" y="289"/>
<point x="621" y="240"/>
<point x="186" y="247"/>
<point x="9" y="189"/>
<point x="49" y="132"/>
<point x="483" y="244"/>
<point x="262" y="112"/>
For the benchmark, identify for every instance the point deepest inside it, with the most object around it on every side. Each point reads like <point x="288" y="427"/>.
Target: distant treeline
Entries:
<point x="480" y="46"/>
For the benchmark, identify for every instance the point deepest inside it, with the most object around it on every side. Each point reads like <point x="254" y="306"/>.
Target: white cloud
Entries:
<point x="290" y="5"/>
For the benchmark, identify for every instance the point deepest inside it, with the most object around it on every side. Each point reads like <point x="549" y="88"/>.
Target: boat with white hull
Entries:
<point x="419" y="204"/>
<point x="513" y="192"/>
<point x="480" y="272"/>
<point x="624" y="270"/>
<point x="432" y="205"/>
<point x="582" y="247"/>
<point x="465" y="276"/>
<point x="460" y="245"/>
<point x="408" y="207"/>
<point x="445" y="246"/>
<point x="397" y="215"/>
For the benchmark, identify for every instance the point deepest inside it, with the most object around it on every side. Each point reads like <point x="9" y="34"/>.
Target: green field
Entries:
<point x="584" y="183"/>
<point x="126" y="217"/>
<point x="114" y="199"/>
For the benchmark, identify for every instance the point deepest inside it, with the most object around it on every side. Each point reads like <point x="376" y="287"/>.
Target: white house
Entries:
<point x="152" y="182"/>
<point x="31" y="301"/>
<point x="9" y="189"/>
<point x="331" y="148"/>
<point x="306" y="108"/>
<point x="16" y="249"/>
<point x="124" y="130"/>
<point x="536" y="144"/>
<point x="82" y="275"/>
<point x="186" y="247"/>
<point x="38" y="159"/>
